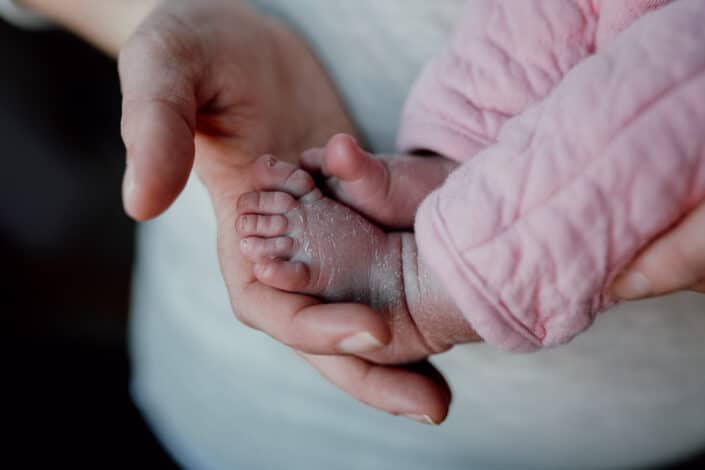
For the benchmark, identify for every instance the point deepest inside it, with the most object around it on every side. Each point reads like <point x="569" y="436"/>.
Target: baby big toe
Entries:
<point x="263" y="250"/>
<point x="283" y="275"/>
<point x="249" y="225"/>
<point x="282" y="176"/>
<point x="345" y="160"/>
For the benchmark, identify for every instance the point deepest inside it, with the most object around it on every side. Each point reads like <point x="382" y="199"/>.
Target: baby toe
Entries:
<point x="344" y="159"/>
<point x="264" y="202"/>
<point x="299" y="183"/>
<point x="263" y="250"/>
<point x="282" y="176"/>
<point x="283" y="275"/>
<point x="312" y="159"/>
<point x="269" y="171"/>
<point x="249" y="225"/>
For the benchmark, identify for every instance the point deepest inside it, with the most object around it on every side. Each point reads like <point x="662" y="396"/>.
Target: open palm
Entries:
<point x="216" y="82"/>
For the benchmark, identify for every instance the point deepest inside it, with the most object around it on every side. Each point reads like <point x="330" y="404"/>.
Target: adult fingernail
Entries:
<point x="423" y="419"/>
<point x="359" y="343"/>
<point x="632" y="286"/>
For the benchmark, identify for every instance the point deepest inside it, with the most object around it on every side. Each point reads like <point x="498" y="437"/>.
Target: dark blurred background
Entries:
<point x="67" y="249"/>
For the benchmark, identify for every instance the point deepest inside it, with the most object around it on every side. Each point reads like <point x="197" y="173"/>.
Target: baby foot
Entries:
<point x="298" y="239"/>
<point x="301" y="241"/>
<point x="387" y="189"/>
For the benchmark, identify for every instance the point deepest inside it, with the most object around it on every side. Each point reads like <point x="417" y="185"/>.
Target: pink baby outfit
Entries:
<point x="592" y="119"/>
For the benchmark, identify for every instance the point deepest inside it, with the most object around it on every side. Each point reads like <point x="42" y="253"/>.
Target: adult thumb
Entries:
<point x="674" y="262"/>
<point x="158" y="124"/>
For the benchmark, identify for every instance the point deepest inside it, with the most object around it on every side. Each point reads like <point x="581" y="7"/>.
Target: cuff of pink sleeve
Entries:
<point x="11" y="12"/>
<point x="422" y="134"/>
<point x="486" y="315"/>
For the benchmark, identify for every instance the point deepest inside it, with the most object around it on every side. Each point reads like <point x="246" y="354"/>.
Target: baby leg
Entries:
<point x="387" y="188"/>
<point x="302" y="241"/>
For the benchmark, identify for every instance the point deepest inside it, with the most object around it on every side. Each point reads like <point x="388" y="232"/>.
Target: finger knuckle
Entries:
<point x="165" y="41"/>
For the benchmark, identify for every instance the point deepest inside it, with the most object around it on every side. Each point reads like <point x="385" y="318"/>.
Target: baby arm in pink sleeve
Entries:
<point x="504" y="56"/>
<point x="527" y="236"/>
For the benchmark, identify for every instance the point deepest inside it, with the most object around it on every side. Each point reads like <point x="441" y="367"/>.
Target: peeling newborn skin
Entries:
<point x="303" y="242"/>
<point x="387" y="189"/>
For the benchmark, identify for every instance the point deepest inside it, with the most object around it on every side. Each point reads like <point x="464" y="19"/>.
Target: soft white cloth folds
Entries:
<point x="13" y="13"/>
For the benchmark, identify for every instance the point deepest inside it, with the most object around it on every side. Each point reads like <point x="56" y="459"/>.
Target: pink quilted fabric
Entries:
<point x="592" y="117"/>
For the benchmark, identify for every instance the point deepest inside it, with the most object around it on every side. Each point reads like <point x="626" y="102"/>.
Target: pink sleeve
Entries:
<point x="503" y="56"/>
<point x="528" y="235"/>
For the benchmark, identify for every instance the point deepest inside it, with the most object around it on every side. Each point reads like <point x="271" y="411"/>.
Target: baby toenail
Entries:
<point x="271" y="161"/>
<point x="312" y="196"/>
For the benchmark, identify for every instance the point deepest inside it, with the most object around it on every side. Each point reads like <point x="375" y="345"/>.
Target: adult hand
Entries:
<point x="674" y="262"/>
<point x="215" y="80"/>
<point x="212" y="69"/>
